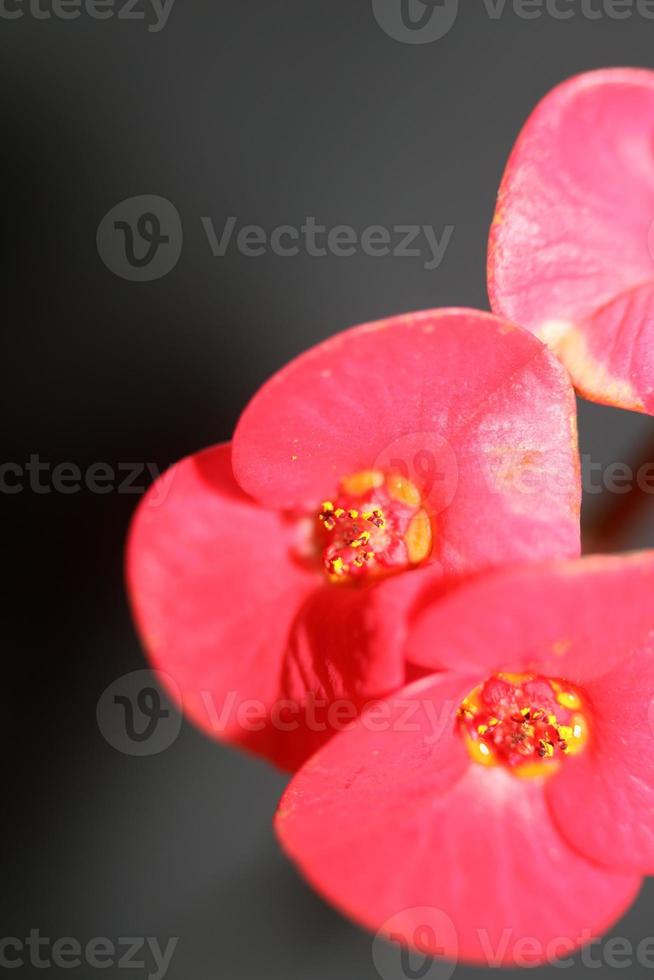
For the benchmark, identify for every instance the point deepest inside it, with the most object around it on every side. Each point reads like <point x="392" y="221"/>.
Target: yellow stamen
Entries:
<point x="362" y="483"/>
<point x="402" y="489"/>
<point x="418" y="538"/>
<point x="569" y="700"/>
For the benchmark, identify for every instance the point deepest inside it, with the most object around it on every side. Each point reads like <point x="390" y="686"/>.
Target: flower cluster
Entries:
<point x="396" y="524"/>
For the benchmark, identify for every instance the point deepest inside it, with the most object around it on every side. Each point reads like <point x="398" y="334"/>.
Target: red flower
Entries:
<point x="270" y="593"/>
<point x="513" y="792"/>
<point x="571" y="248"/>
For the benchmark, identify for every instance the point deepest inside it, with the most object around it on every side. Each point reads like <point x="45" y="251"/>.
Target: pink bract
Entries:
<point x="228" y="588"/>
<point x="571" y="253"/>
<point x="396" y="815"/>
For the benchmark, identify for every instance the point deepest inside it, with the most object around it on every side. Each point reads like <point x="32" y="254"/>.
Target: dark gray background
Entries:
<point x="269" y="111"/>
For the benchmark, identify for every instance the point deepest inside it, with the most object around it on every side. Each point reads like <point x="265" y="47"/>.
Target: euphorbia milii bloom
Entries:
<point x="572" y="245"/>
<point x="270" y="580"/>
<point x="513" y="791"/>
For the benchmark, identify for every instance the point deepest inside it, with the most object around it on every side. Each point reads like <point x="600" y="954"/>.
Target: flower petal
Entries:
<point x="266" y="653"/>
<point x="346" y="650"/>
<point x="518" y="490"/>
<point x="573" y="619"/>
<point x="603" y="799"/>
<point x="613" y="351"/>
<point x="387" y="822"/>
<point x="215" y="594"/>
<point x="572" y="235"/>
<point x="470" y="408"/>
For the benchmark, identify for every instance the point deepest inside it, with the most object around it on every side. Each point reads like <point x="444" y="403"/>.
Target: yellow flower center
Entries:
<point x="523" y="722"/>
<point x="376" y="525"/>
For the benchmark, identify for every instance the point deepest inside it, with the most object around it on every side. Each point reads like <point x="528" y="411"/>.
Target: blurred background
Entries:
<point x="268" y="113"/>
